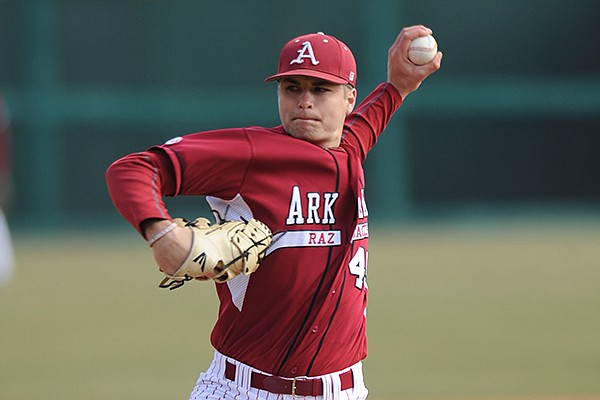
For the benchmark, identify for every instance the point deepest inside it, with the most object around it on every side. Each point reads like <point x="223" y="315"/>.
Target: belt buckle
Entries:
<point x="294" y="387"/>
<point x="296" y="380"/>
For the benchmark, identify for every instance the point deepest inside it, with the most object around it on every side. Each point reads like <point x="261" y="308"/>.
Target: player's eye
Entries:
<point x="292" y="88"/>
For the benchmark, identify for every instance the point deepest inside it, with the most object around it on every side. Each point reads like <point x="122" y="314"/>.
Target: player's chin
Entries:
<point x="308" y="135"/>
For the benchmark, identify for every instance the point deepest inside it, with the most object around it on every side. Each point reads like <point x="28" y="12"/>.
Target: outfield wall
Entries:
<point x="510" y="122"/>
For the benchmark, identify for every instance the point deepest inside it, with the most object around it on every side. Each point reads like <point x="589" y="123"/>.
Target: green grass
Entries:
<point x="455" y="312"/>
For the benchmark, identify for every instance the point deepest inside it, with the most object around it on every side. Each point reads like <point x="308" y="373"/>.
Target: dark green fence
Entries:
<point x="512" y="120"/>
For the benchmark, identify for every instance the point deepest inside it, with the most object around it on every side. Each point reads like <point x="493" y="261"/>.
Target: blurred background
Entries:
<point x="490" y="172"/>
<point x="510" y="123"/>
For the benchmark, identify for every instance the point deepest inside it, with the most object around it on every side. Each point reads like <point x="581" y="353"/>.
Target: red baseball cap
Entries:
<point x="317" y="55"/>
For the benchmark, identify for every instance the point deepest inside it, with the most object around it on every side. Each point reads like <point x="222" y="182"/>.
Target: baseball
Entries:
<point x="422" y="50"/>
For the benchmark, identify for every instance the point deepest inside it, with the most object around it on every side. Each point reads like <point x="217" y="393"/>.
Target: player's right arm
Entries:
<point x="136" y="184"/>
<point x="172" y="248"/>
<point x="206" y="163"/>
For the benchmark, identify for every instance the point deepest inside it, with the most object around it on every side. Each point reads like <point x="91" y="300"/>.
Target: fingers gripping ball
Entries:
<point x="422" y="50"/>
<point x="221" y="252"/>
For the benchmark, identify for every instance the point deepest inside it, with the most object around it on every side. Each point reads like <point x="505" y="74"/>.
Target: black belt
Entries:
<point x="290" y="386"/>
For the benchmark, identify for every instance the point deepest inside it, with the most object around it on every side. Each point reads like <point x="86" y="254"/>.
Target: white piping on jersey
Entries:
<point x="308" y="238"/>
<point x="235" y="209"/>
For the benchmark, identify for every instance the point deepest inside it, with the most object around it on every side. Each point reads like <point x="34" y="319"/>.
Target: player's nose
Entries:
<point x="306" y="99"/>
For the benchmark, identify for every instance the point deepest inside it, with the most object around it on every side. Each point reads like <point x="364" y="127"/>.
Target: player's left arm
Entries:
<point x="405" y="76"/>
<point x="364" y="125"/>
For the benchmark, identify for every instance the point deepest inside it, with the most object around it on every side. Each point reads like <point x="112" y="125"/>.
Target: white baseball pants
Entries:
<point x="214" y="384"/>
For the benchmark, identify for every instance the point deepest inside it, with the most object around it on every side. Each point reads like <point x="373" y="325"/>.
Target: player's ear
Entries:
<point x="351" y="99"/>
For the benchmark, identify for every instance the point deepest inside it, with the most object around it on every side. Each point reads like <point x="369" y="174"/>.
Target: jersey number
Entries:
<point x="358" y="267"/>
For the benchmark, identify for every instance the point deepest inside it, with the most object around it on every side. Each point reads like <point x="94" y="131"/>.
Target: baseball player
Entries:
<point x="288" y="250"/>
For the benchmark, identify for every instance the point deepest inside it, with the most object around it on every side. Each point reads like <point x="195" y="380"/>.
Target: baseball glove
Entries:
<point x="220" y="252"/>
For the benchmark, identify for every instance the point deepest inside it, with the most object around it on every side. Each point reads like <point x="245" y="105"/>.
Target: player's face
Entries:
<point x="314" y="110"/>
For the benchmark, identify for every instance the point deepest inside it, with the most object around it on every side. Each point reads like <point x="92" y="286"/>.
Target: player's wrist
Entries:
<point x="152" y="227"/>
<point x="161" y="233"/>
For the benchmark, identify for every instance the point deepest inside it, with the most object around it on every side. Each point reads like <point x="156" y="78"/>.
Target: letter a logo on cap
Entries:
<point x="305" y="52"/>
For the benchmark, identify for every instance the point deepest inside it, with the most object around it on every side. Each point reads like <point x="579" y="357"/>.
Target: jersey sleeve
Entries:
<point x="207" y="163"/>
<point x="136" y="184"/>
<point x="365" y="124"/>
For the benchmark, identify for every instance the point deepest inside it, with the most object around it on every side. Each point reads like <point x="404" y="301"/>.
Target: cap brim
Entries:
<point x="312" y="74"/>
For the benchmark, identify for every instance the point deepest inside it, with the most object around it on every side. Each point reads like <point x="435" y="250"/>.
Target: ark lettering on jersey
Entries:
<point x="362" y="229"/>
<point x="317" y="209"/>
<point x="362" y="205"/>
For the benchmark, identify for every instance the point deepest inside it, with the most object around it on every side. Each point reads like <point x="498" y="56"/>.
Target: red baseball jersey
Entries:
<point x="303" y="312"/>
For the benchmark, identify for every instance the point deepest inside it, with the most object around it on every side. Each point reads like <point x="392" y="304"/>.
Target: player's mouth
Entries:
<point x="305" y="118"/>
